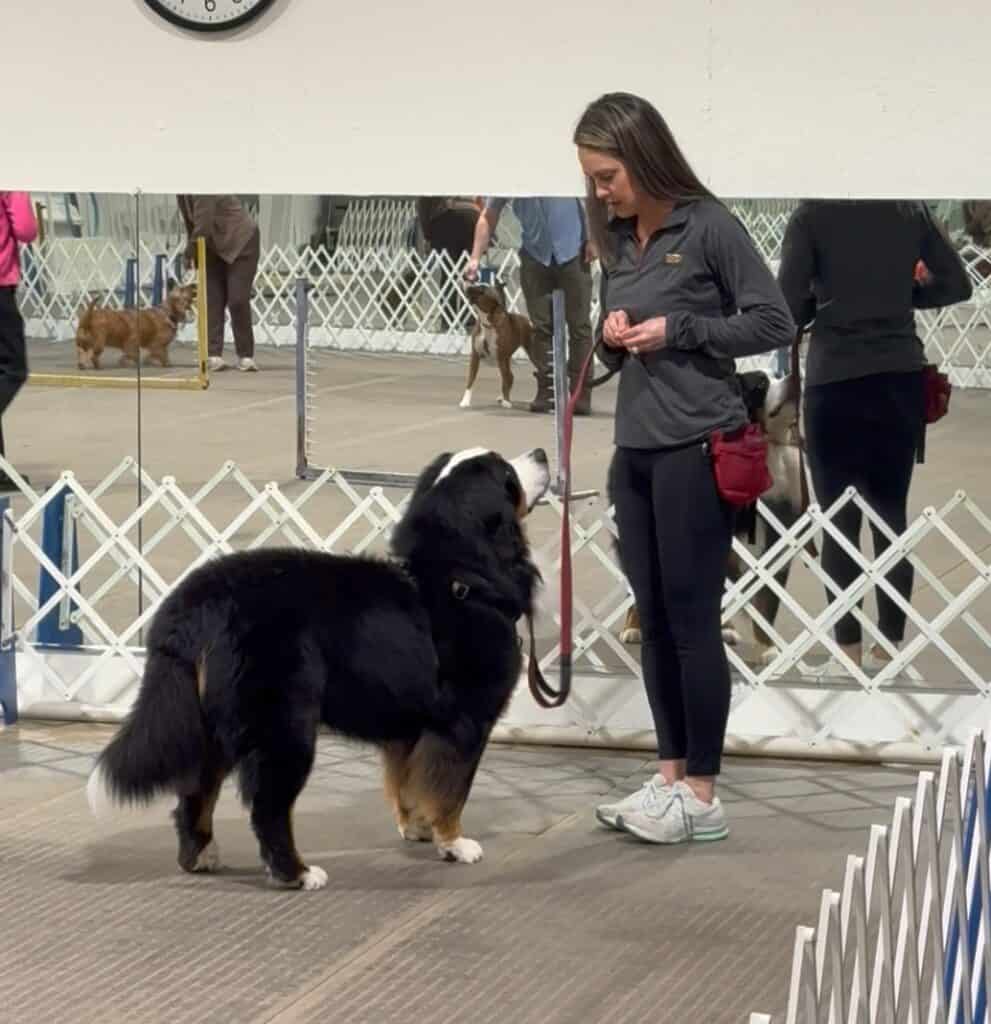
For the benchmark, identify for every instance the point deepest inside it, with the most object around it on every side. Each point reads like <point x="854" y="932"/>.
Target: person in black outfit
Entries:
<point x="852" y="267"/>
<point x="684" y="292"/>
<point x="447" y="224"/>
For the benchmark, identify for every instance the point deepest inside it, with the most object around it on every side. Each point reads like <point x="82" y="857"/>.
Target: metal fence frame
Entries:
<point x="908" y="937"/>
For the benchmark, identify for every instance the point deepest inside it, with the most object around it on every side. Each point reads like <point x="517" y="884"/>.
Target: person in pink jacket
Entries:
<point x="17" y="227"/>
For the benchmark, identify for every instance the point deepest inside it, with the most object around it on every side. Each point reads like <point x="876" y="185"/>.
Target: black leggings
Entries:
<point x="864" y="433"/>
<point x="13" y="353"/>
<point x="675" y="534"/>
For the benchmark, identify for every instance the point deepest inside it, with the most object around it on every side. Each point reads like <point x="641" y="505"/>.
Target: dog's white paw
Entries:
<point x="629" y="636"/>
<point x="209" y="858"/>
<point x="313" y="878"/>
<point x="465" y="402"/>
<point x="416" y="832"/>
<point x="465" y="851"/>
<point x="731" y="637"/>
<point x="505" y="403"/>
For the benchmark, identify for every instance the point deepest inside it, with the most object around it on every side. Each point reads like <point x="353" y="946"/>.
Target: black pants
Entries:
<point x="864" y="433"/>
<point x="452" y="232"/>
<point x="675" y="534"/>
<point x="13" y="353"/>
<point x="228" y="287"/>
<point x="538" y="284"/>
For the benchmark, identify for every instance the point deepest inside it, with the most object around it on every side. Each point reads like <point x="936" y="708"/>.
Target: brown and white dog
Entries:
<point x="771" y="403"/>
<point x="497" y="334"/>
<point x="149" y="330"/>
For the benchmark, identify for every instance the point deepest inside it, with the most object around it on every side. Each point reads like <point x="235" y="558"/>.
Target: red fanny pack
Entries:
<point x="938" y="389"/>
<point x="739" y="461"/>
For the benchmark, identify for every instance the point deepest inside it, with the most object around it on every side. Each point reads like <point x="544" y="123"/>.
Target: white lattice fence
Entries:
<point x="908" y="938"/>
<point x="377" y="224"/>
<point x="63" y="275"/>
<point x="802" y="694"/>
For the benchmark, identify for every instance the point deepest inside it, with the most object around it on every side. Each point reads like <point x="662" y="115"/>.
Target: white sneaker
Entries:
<point x="247" y="365"/>
<point x="653" y="789"/>
<point x="215" y="364"/>
<point x="678" y="817"/>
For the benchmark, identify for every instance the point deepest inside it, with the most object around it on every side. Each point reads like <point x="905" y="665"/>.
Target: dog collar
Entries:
<point x="482" y="591"/>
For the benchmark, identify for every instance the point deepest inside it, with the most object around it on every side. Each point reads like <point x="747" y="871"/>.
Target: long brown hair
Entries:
<point x="631" y="130"/>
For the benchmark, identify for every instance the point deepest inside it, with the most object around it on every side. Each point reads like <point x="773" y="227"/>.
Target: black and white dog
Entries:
<point x="251" y="653"/>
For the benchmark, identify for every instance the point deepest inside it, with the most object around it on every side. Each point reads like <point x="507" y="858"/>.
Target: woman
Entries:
<point x="232" y="253"/>
<point x="684" y="292"/>
<point x="852" y="266"/>
<point x="17" y="227"/>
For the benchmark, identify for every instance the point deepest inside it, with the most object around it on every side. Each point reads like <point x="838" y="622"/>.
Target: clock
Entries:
<point x="208" y="15"/>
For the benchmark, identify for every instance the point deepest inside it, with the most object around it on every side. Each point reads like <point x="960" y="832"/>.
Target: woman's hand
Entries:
<point x="646" y="337"/>
<point x="616" y="324"/>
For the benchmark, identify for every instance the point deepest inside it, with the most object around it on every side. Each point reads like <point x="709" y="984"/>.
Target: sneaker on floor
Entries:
<point x="247" y="365"/>
<point x="652" y="790"/>
<point x="216" y="364"/>
<point x="679" y="817"/>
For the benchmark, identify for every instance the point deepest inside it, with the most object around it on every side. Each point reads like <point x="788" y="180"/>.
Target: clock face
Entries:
<point x="208" y="15"/>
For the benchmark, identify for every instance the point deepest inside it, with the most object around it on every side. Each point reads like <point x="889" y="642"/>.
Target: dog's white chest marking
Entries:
<point x="486" y="341"/>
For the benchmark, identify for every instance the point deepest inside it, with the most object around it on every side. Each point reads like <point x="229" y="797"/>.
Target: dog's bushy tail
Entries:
<point x="161" y="744"/>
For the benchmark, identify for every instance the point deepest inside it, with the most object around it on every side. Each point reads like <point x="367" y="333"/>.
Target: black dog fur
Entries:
<point x="251" y="653"/>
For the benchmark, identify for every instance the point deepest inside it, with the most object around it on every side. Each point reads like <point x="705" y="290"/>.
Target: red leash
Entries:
<point x="543" y="693"/>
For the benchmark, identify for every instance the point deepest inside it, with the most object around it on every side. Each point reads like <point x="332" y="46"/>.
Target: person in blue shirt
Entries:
<point x="555" y="253"/>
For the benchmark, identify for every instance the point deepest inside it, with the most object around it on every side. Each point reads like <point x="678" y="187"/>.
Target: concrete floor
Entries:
<point x="562" y="921"/>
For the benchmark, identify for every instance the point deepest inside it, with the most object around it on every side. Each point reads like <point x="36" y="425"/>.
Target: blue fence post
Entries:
<point x="158" y="280"/>
<point x="60" y="544"/>
<point x="8" y="652"/>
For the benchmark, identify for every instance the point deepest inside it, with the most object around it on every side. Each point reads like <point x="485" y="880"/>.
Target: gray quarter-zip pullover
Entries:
<point x="702" y="272"/>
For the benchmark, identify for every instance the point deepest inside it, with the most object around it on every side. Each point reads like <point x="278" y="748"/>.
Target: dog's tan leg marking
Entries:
<point x="437" y="786"/>
<point x="630" y="633"/>
<point x="395" y="757"/>
<point x="209" y="858"/>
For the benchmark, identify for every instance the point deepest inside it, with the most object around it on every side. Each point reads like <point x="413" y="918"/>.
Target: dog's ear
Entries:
<point x="513" y="573"/>
<point x="171" y="283"/>
<point x="500" y="286"/>
<point x="428" y="476"/>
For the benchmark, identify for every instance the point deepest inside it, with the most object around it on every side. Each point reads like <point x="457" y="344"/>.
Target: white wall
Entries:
<point x="771" y="98"/>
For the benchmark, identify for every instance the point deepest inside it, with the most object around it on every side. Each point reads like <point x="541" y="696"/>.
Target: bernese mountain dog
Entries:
<point x="418" y="654"/>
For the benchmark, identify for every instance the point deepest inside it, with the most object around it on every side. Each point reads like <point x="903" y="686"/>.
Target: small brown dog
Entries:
<point x="497" y="334"/>
<point x="131" y="331"/>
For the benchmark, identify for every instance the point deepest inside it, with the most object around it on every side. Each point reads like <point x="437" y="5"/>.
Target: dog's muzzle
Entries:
<point x="534" y="474"/>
